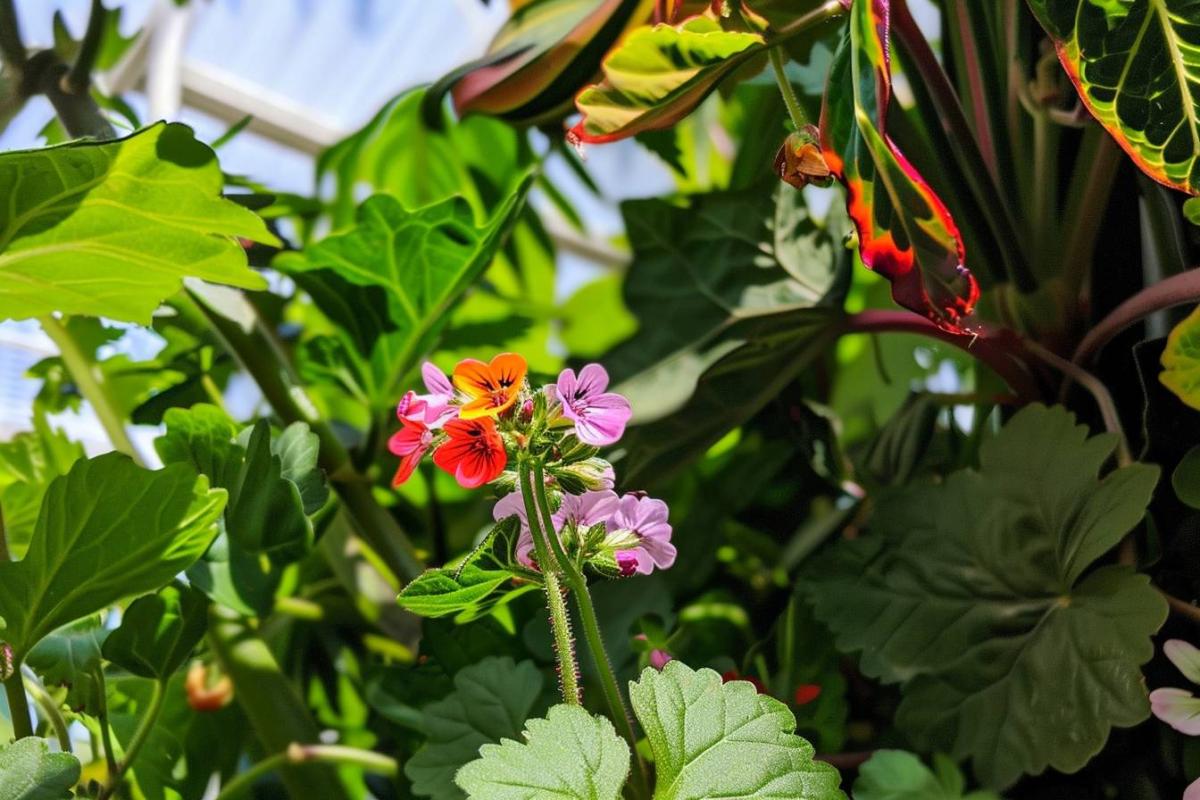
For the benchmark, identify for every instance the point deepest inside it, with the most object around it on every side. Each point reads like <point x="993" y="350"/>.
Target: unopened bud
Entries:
<point x="202" y="697"/>
<point x="660" y="658"/>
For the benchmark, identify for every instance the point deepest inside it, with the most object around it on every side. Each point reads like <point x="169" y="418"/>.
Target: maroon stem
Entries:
<point x="1176" y="290"/>
<point x="1000" y="352"/>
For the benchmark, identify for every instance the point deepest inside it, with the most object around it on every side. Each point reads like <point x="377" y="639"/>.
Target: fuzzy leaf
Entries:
<point x="113" y="228"/>
<point x="569" y="755"/>
<point x="108" y="530"/>
<point x="986" y="612"/>
<point x="1181" y="360"/>
<point x="714" y="739"/>
<point x="490" y="702"/>
<point x="159" y="631"/>
<point x="29" y="771"/>
<point x="657" y="75"/>
<point x="1136" y="65"/>
<point x="897" y="775"/>
<point x="905" y="232"/>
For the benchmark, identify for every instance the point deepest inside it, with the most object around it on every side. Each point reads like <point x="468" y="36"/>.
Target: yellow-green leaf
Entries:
<point x="1181" y="360"/>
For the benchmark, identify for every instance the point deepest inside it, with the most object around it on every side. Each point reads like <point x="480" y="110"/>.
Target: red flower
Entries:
<point x="734" y="675"/>
<point x="410" y="443"/>
<point x="806" y="693"/>
<point x="474" y="453"/>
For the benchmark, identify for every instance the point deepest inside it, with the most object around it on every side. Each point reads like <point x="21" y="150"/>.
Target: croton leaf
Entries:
<point x="986" y="611"/>
<point x="905" y="232"/>
<point x="84" y="217"/>
<point x="490" y="702"/>
<point x="541" y="56"/>
<point x="108" y="529"/>
<point x="1136" y="66"/>
<point x="29" y="771"/>
<point x="897" y="775"/>
<point x="657" y="75"/>
<point x="1181" y="360"/>
<point x="716" y="739"/>
<point x="158" y="632"/>
<point x="568" y="755"/>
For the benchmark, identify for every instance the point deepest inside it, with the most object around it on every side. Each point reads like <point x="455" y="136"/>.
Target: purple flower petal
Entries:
<point x="436" y="381"/>
<point x="593" y="380"/>
<point x="1178" y="708"/>
<point x="1185" y="657"/>
<point x="1192" y="792"/>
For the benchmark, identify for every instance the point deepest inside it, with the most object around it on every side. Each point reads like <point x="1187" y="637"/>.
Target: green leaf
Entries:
<point x="108" y="530"/>
<point x="975" y="594"/>
<point x="438" y="592"/>
<point x="159" y="631"/>
<point x="85" y="217"/>
<point x="1186" y="478"/>
<point x="905" y="232"/>
<point x="1191" y="210"/>
<point x="266" y="512"/>
<point x="490" y="702"/>
<point x="1181" y="360"/>
<point x="594" y="318"/>
<point x="1135" y="67"/>
<point x="657" y="75"/>
<point x="714" y="739"/>
<point x="71" y="657"/>
<point x="424" y="260"/>
<point x="569" y="755"/>
<point x="897" y="775"/>
<point x="203" y="437"/>
<point x="29" y="771"/>
<point x="28" y="463"/>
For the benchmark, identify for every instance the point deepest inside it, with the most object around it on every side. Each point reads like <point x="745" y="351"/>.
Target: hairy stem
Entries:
<point x="18" y="705"/>
<point x="795" y="110"/>
<point x="316" y="753"/>
<point x="560" y="621"/>
<point x="591" y="632"/>
<point x="92" y="385"/>
<point x="144" y="729"/>
<point x="1176" y="290"/>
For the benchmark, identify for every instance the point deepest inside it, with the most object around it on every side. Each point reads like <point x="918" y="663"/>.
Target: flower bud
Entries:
<point x="589" y="475"/>
<point x="203" y="697"/>
<point x="660" y="658"/>
<point x="800" y="161"/>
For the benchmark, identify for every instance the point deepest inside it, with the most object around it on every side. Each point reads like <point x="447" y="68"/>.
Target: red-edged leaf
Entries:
<point x="905" y="232"/>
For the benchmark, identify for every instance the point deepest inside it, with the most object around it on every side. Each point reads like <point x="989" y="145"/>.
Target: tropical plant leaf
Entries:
<point x="983" y="610"/>
<point x="490" y="702"/>
<point x="1136" y="66"/>
<point x="108" y="530"/>
<point x="657" y="75"/>
<point x="86" y="216"/>
<point x="70" y="657"/>
<point x="1181" y="360"/>
<point x="568" y="755"/>
<point x="29" y="771"/>
<point x="715" y="739"/>
<point x="28" y="463"/>
<point x="905" y="232"/>
<point x="159" y="631"/>
<point x="897" y="775"/>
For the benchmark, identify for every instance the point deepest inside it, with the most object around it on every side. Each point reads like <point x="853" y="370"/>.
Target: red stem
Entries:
<point x="1000" y="352"/>
<point x="1176" y="290"/>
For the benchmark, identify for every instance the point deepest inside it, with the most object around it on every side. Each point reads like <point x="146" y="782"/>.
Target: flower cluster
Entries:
<point x="485" y="416"/>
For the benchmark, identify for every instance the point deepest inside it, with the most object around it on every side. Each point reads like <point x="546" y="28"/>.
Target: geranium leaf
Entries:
<point x="714" y="739"/>
<point x="1135" y="67"/>
<point x="29" y="771"/>
<point x="990" y="597"/>
<point x="159" y="631"/>
<point x="71" y="657"/>
<point x="490" y="702"/>
<point x="905" y="232"/>
<point x="897" y="775"/>
<point x="108" y="529"/>
<point x="1181" y="360"/>
<point x="657" y="75"/>
<point x="568" y="755"/>
<point x="86" y="216"/>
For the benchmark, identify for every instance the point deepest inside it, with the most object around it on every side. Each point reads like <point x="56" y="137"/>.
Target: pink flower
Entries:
<point x="599" y="416"/>
<point x="410" y="443"/>
<point x="1192" y="792"/>
<point x="513" y="505"/>
<point x="582" y="510"/>
<point x="660" y="658"/>
<point x="434" y="408"/>
<point x="646" y="519"/>
<point x="1179" y="708"/>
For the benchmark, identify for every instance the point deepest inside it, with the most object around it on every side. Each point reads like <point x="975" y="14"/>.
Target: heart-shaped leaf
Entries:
<point x="1134" y="64"/>
<point x="569" y="755"/>
<point x="158" y="632"/>
<point x="905" y="232"/>
<point x="986" y="612"/>
<point x="29" y="771"/>
<point x="715" y="739"/>
<point x="1181" y="360"/>
<point x="86" y="216"/>
<point x="490" y="702"/>
<point x="657" y="75"/>
<point x="108" y="529"/>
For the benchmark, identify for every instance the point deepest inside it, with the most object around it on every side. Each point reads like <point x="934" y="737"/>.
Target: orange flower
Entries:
<point x="474" y="453"/>
<point x="492" y="388"/>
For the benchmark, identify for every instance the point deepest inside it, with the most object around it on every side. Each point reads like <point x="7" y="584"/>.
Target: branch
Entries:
<point x="1174" y="291"/>
<point x="12" y="49"/>
<point x="79" y="78"/>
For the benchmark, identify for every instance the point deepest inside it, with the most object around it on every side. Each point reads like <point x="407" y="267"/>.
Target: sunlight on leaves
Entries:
<point x="29" y="771"/>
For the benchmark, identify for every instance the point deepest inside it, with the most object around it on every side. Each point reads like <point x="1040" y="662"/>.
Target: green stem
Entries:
<point x="556" y="602"/>
<point x="92" y="386"/>
<point x="5" y="555"/>
<point x="49" y="708"/>
<point x="140" y="736"/>
<point x="795" y="111"/>
<point x="18" y="705"/>
<point x="12" y="49"/>
<point x="591" y="632"/>
<point x="1095" y="170"/>
<point x="106" y="739"/>
<point x="300" y="754"/>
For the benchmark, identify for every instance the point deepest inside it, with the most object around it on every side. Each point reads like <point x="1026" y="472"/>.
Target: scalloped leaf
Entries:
<point x="112" y="228"/>
<point x="657" y="75"/>
<point x="905" y="231"/>
<point x="1136" y="66"/>
<point x="29" y="771"/>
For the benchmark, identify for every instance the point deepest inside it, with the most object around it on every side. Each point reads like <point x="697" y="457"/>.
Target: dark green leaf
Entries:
<point x="29" y="771"/>
<point x="71" y="657"/>
<point x="159" y="631"/>
<point x="1186" y="478"/>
